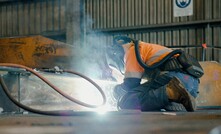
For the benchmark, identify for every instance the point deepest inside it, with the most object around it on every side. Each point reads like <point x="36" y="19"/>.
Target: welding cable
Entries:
<point x="57" y="89"/>
<point x="147" y="67"/>
<point x="51" y="113"/>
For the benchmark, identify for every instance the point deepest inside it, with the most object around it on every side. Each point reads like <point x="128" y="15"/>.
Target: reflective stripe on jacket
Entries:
<point x="150" y="54"/>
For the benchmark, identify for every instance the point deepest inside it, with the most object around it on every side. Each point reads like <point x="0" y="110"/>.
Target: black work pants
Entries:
<point x="149" y="96"/>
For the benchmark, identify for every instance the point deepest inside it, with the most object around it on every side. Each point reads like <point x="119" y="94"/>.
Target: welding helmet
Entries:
<point x="116" y="53"/>
<point x="121" y="40"/>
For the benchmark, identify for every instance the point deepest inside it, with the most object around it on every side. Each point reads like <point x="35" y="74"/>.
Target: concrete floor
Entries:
<point x="122" y="122"/>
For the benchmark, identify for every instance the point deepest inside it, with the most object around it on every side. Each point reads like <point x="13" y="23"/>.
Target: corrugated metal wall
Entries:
<point x="153" y="21"/>
<point x="32" y="17"/>
<point x="148" y="20"/>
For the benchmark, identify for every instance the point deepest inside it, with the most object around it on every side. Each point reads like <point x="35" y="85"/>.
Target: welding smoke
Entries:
<point x="92" y="56"/>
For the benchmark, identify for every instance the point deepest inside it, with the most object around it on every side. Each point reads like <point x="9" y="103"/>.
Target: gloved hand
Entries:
<point x="119" y="91"/>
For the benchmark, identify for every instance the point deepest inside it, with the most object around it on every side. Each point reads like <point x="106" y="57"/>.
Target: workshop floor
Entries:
<point x="124" y="122"/>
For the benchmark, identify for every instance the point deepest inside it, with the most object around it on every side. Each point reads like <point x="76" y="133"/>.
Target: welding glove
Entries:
<point x="119" y="91"/>
<point x="127" y="85"/>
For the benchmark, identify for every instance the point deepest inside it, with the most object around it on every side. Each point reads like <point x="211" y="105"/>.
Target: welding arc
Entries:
<point x="52" y="86"/>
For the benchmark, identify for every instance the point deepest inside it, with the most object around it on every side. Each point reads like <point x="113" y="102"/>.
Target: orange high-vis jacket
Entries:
<point x="150" y="54"/>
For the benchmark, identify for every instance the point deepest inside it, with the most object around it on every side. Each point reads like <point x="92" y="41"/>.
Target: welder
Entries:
<point x="172" y="77"/>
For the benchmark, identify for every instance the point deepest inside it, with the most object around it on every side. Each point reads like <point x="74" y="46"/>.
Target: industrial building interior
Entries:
<point x="55" y="76"/>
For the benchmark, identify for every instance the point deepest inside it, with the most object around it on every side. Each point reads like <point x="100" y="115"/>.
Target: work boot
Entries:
<point x="177" y="93"/>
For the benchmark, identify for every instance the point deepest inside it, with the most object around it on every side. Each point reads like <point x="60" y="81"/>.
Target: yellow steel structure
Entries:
<point x="35" y="52"/>
<point x="210" y="84"/>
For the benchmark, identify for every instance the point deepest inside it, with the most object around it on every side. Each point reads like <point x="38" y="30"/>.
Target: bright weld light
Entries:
<point x="87" y="93"/>
<point x="102" y="110"/>
<point x="89" y="96"/>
